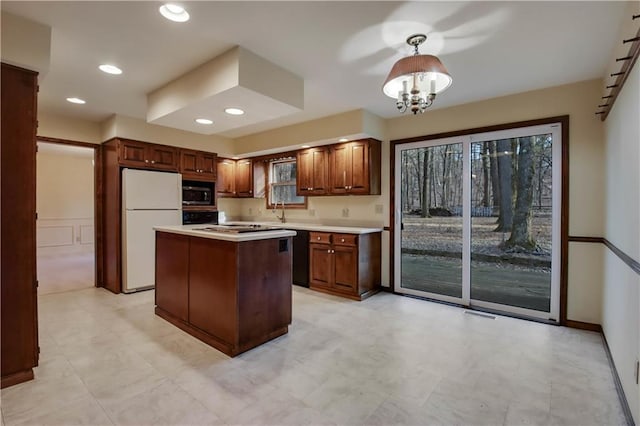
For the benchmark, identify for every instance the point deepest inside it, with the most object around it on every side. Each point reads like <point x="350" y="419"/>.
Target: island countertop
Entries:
<point x="196" y="231"/>
<point x="316" y="227"/>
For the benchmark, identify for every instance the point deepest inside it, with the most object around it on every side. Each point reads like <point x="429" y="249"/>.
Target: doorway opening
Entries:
<point x="478" y="220"/>
<point x="65" y="224"/>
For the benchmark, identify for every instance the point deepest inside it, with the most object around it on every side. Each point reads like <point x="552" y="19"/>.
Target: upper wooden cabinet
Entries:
<point x="198" y="165"/>
<point x="244" y="178"/>
<point x="147" y="155"/>
<point x="351" y="168"/>
<point x="313" y="172"/>
<point x="235" y="178"/>
<point x="354" y="168"/>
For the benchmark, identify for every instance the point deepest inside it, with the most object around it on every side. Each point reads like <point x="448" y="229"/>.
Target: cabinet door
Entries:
<point x="304" y="173"/>
<point x="339" y="168"/>
<point x="207" y="165"/>
<point x="244" y="178"/>
<point x="346" y="268"/>
<point x="163" y="157"/>
<point x="359" y="165"/>
<point x="320" y="265"/>
<point x="133" y="154"/>
<point x="226" y="177"/>
<point x="320" y="171"/>
<point x="172" y="274"/>
<point x="188" y="162"/>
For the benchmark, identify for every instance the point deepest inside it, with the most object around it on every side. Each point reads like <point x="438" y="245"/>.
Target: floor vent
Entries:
<point x="480" y="314"/>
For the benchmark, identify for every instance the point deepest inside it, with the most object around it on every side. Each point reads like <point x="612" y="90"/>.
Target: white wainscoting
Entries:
<point x="73" y="233"/>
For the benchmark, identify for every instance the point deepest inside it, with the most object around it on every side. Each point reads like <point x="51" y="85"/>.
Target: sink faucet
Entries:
<point x="280" y="218"/>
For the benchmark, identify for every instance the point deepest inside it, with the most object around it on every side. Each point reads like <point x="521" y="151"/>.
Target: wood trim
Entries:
<point x="627" y="66"/>
<point x="484" y="129"/>
<point x="583" y="325"/>
<point x="16" y="378"/>
<point x="97" y="193"/>
<point x="628" y="260"/>
<point x="564" y="214"/>
<point x="631" y="263"/>
<point x="67" y="142"/>
<point x="574" y="239"/>
<point x="616" y="379"/>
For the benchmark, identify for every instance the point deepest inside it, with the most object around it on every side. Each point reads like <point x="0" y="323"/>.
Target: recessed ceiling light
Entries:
<point x="174" y="12"/>
<point x="234" y="111"/>
<point x="76" y="101"/>
<point x="343" y="140"/>
<point x="110" y="69"/>
<point x="203" y="121"/>
<point x="235" y="158"/>
<point x="304" y="146"/>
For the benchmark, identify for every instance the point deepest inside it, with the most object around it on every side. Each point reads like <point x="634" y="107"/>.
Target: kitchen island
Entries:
<point x="229" y="288"/>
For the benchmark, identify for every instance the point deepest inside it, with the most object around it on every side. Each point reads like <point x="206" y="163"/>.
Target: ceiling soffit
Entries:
<point x="237" y="78"/>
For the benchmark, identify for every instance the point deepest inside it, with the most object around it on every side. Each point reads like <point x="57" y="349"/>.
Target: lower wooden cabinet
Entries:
<point x="345" y="264"/>
<point x="233" y="296"/>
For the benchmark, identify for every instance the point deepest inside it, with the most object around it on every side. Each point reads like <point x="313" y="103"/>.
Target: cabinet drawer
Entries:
<point x="319" y="237"/>
<point x="345" y="239"/>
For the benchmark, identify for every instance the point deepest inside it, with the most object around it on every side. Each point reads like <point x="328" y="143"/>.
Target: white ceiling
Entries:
<point x="342" y="50"/>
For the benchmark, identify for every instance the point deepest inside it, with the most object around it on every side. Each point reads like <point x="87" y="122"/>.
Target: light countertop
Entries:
<point x="316" y="227"/>
<point x="193" y="231"/>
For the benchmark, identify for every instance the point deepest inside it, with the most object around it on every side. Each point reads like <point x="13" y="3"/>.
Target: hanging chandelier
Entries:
<point x="415" y="81"/>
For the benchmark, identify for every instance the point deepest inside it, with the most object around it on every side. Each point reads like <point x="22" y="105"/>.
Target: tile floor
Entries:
<point x="60" y="269"/>
<point x="107" y="359"/>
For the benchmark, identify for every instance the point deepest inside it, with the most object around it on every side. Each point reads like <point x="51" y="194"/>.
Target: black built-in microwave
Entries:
<point x="198" y="193"/>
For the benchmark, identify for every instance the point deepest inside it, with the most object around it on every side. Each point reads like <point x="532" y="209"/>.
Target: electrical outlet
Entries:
<point x="312" y="212"/>
<point x="345" y="212"/>
<point x="379" y="208"/>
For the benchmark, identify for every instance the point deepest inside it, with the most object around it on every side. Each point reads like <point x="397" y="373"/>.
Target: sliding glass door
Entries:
<point x="479" y="220"/>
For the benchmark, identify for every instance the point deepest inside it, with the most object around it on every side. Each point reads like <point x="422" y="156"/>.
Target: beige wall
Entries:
<point x="63" y="127"/>
<point x="621" y="288"/>
<point x="64" y="200"/>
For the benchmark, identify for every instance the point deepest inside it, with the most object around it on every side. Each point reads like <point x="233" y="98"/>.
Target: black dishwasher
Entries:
<point x="301" y="258"/>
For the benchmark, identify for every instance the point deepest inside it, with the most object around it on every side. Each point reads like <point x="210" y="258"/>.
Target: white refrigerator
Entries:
<point x="148" y="199"/>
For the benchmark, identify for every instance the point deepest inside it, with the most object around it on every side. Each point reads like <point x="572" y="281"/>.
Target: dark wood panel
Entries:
<point x="133" y="153"/>
<point x="264" y="293"/>
<point x="345" y="260"/>
<point x="244" y="178"/>
<point x="112" y="216"/>
<point x="163" y="157"/>
<point x="213" y="299"/>
<point x="172" y="274"/>
<point x="339" y="168"/>
<point x="320" y="265"/>
<point x="359" y="165"/>
<point x="19" y="327"/>
<point x="369" y="262"/>
<point x="226" y="177"/>
<point x="188" y="162"/>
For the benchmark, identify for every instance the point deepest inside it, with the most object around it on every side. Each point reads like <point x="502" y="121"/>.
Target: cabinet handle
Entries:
<point x="342" y="240"/>
<point x="250" y="191"/>
<point x="328" y="251"/>
<point x="309" y="189"/>
<point x="318" y="238"/>
<point x="333" y="251"/>
<point x="153" y="162"/>
<point x="146" y="161"/>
